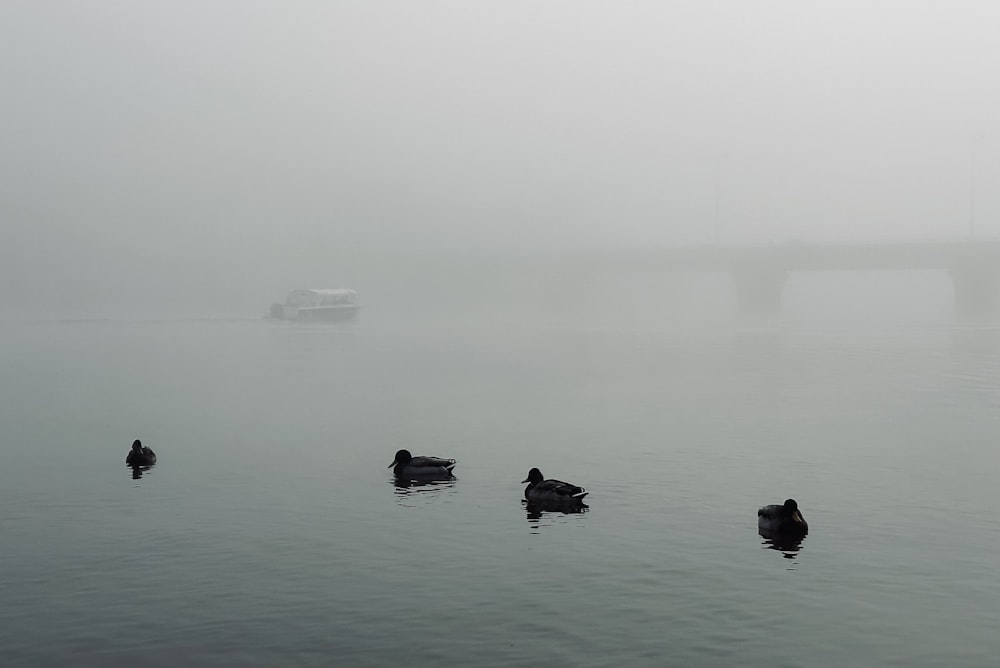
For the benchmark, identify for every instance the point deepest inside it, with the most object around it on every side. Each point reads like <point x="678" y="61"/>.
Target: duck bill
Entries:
<point x="797" y="516"/>
<point x="391" y="465"/>
<point x="525" y="480"/>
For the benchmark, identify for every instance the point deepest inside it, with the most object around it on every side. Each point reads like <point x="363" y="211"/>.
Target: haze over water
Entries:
<point x="269" y="533"/>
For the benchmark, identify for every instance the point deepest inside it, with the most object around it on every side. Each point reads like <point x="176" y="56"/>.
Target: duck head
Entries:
<point x="534" y="477"/>
<point x="792" y="510"/>
<point x="402" y="458"/>
<point x="137" y="446"/>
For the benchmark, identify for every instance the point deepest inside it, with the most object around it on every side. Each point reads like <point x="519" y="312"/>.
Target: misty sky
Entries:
<point x="205" y="138"/>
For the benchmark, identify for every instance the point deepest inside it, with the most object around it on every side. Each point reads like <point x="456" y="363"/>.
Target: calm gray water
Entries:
<point x="270" y="534"/>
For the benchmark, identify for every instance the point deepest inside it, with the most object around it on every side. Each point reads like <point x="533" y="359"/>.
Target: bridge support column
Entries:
<point x="758" y="289"/>
<point x="977" y="288"/>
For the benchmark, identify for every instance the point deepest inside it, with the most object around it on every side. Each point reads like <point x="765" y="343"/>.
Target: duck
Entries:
<point x="784" y="519"/>
<point x="540" y="490"/>
<point x="140" y="455"/>
<point x="406" y="465"/>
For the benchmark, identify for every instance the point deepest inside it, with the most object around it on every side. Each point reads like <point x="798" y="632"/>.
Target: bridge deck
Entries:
<point x="812" y="257"/>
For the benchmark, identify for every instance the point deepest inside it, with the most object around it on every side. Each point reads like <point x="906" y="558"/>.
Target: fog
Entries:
<point x="208" y="157"/>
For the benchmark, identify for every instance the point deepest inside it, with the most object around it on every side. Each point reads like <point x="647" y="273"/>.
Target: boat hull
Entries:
<point x="320" y="313"/>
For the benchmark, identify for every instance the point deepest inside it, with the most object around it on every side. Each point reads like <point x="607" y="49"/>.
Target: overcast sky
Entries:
<point x="216" y="136"/>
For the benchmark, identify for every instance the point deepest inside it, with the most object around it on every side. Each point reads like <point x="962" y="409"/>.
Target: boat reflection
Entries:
<point x="788" y="544"/>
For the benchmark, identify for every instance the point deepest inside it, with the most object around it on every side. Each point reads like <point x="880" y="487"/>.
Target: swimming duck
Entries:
<point x="785" y="519"/>
<point x="140" y="455"/>
<point x="540" y="490"/>
<point x="407" y="466"/>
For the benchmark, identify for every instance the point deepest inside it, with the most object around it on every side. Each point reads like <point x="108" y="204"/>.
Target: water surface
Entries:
<point x="270" y="532"/>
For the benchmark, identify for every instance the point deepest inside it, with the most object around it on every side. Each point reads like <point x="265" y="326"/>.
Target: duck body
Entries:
<point x="140" y="455"/>
<point x="405" y="465"/>
<point x="540" y="490"/>
<point x="782" y="519"/>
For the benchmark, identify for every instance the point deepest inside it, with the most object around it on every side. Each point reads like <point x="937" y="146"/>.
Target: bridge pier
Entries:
<point x="977" y="288"/>
<point x="758" y="289"/>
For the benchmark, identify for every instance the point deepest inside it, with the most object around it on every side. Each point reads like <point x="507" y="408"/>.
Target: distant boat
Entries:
<point x="318" y="305"/>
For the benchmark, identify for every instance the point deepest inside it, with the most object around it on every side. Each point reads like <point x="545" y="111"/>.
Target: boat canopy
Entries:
<point x="321" y="297"/>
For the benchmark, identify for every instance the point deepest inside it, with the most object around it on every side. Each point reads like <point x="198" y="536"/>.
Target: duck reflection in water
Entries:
<point x="413" y="485"/>
<point x="535" y="511"/>
<point x="410" y="492"/>
<point x="788" y="545"/>
<point x="138" y="470"/>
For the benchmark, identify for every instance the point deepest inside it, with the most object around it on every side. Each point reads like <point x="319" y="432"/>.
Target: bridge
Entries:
<point x="759" y="272"/>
